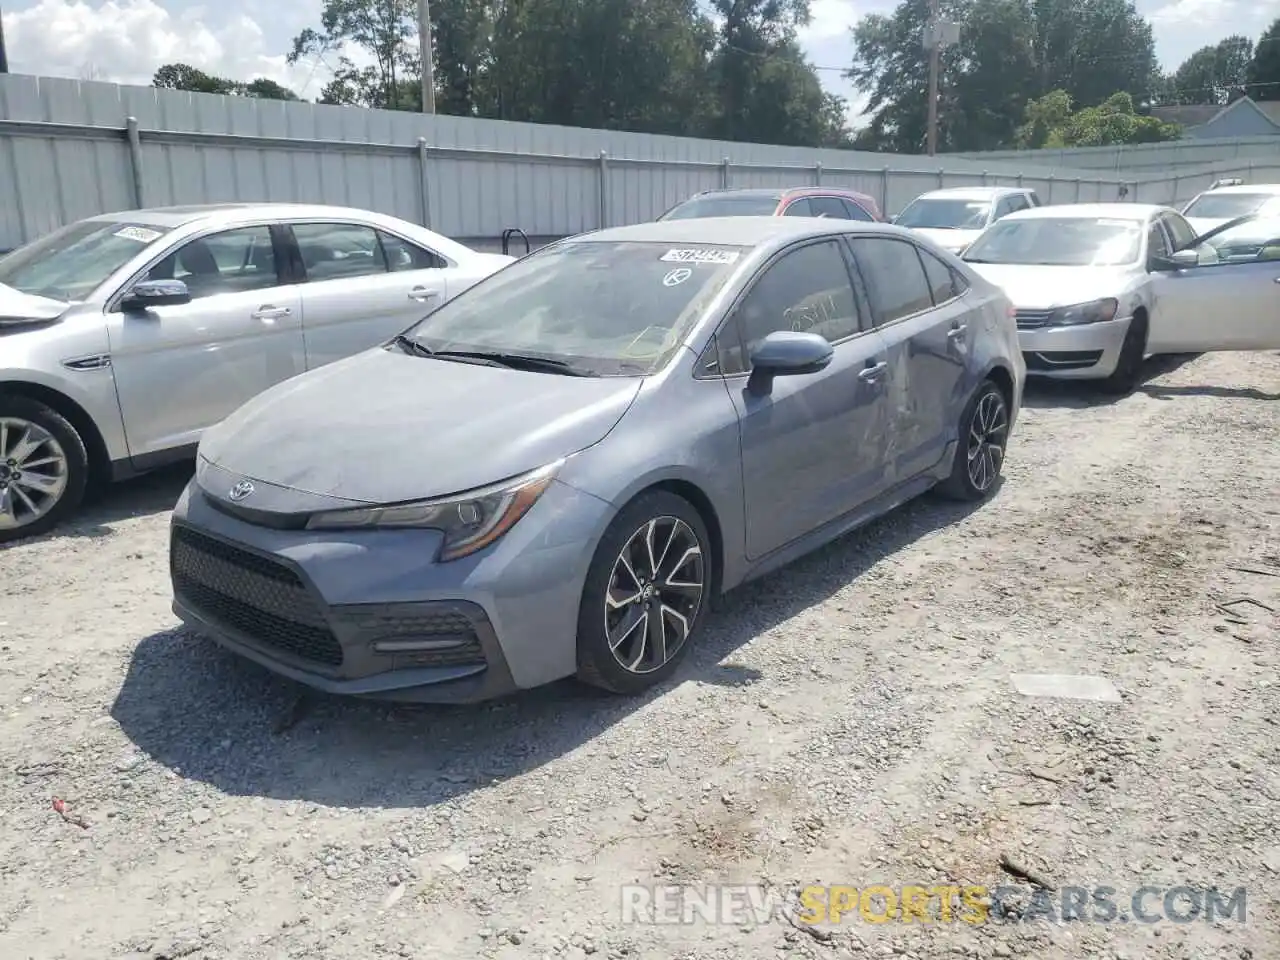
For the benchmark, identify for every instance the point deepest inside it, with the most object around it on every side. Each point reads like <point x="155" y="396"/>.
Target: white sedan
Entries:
<point x="1099" y="287"/>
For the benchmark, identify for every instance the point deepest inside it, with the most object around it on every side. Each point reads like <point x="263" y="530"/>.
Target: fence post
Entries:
<point x="984" y="178"/>
<point x="1077" y="189"/>
<point x="604" y="189"/>
<point x="817" y="174"/>
<point x="135" y="160"/>
<point x="724" y="173"/>
<point x="1019" y="179"/>
<point x="1049" y="198"/>
<point x="942" y="178"/>
<point x="1177" y="184"/>
<point x="884" y="190"/>
<point x="424" y="182"/>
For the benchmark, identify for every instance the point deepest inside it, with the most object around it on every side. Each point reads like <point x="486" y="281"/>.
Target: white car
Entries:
<point x="124" y="336"/>
<point x="953" y="218"/>
<point x="1220" y="204"/>
<point x="1099" y="287"/>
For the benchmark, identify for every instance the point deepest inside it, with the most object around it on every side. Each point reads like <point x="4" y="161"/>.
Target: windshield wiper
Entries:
<point x="516" y="361"/>
<point x="410" y="345"/>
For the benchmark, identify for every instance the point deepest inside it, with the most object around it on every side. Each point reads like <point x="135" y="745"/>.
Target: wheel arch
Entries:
<point x="76" y="415"/>
<point x="697" y="498"/>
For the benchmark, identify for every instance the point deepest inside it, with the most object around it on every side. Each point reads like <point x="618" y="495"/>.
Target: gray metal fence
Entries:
<point x="70" y="149"/>
<point x="1261" y="154"/>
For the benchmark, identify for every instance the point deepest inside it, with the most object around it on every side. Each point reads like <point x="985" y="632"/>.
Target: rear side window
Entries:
<point x="894" y="275"/>
<point x="403" y="255"/>
<point x="339" y="251"/>
<point x="942" y="279"/>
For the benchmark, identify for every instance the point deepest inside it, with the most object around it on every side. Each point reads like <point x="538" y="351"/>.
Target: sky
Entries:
<point x="126" y="40"/>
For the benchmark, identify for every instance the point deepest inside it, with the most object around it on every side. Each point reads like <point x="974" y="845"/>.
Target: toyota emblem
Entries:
<point x="241" y="490"/>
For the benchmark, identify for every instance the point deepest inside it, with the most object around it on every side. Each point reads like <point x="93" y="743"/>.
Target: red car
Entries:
<point x="795" y="202"/>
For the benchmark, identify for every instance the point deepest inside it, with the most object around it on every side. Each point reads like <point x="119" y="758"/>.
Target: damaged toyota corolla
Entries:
<point x="554" y="473"/>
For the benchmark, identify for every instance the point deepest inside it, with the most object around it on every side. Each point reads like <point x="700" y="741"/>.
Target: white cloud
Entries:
<point x="126" y="41"/>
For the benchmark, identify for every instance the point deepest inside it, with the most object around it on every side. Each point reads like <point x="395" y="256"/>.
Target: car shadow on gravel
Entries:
<point x="216" y="718"/>
<point x="1045" y="393"/>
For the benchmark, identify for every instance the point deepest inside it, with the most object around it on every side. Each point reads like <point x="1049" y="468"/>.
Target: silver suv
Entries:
<point x="124" y="336"/>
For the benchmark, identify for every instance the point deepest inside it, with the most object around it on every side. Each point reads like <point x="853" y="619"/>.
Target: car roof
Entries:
<point x="231" y="212"/>
<point x="734" y="231"/>
<point x="1248" y="188"/>
<point x="1138" y="212"/>
<point x="777" y="193"/>
<point x="971" y="193"/>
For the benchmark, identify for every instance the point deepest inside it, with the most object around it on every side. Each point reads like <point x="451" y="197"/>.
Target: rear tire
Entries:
<point x="646" y="595"/>
<point x="44" y="468"/>
<point x="984" y="437"/>
<point x="1133" y="351"/>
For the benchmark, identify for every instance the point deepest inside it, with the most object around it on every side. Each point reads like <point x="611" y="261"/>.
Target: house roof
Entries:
<point x="1191" y="116"/>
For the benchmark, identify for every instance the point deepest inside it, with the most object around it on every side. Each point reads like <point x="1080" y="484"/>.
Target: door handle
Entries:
<point x="957" y="331"/>
<point x="271" y="313"/>
<point x="872" y="372"/>
<point x="422" y="294"/>
<point x="1276" y="280"/>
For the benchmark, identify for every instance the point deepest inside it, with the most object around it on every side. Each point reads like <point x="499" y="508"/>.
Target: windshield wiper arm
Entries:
<point x="410" y="345"/>
<point x="517" y="361"/>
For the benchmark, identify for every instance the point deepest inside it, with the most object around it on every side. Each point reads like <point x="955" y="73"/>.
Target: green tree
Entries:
<point x="385" y="30"/>
<point x="1214" y="74"/>
<point x="1051" y="122"/>
<point x="182" y="76"/>
<point x="1263" y="72"/>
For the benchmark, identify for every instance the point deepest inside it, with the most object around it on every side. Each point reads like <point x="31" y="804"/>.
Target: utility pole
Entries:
<point x="934" y="39"/>
<point x="428" y="66"/>
<point x="4" y="57"/>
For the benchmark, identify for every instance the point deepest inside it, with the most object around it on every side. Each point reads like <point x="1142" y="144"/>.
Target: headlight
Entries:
<point x="469" y="521"/>
<point x="1095" y="311"/>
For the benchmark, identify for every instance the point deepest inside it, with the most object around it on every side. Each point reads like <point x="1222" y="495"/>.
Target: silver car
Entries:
<point x="1101" y="286"/>
<point x="124" y="336"/>
<point x="554" y="473"/>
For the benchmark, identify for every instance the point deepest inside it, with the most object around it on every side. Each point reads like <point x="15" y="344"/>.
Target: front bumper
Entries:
<point x="369" y="613"/>
<point x="1079" y="352"/>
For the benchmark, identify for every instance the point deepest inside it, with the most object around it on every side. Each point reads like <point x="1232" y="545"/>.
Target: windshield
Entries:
<point x="1226" y="206"/>
<point x="602" y="308"/>
<point x="726" y="205"/>
<point x="1059" y="242"/>
<point x="70" y="263"/>
<point x="941" y="214"/>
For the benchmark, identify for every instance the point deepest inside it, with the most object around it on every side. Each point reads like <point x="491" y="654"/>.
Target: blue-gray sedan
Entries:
<point x="554" y="473"/>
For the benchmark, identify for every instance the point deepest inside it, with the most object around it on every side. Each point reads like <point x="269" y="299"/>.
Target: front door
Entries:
<point x="363" y="286"/>
<point x="1216" y="306"/>
<point x="181" y="369"/>
<point x="814" y="448"/>
<point x="915" y="302"/>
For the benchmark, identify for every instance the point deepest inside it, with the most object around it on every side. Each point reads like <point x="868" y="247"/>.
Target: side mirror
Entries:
<point x="787" y="354"/>
<point x="1177" y="261"/>
<point x="155" y="293"/>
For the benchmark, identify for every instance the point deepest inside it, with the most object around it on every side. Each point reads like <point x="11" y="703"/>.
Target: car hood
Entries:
<point x="386" y="427"/>
<point x="953" y="240"/>
<point x="17" y="307"/>
<point x="1044" y="288"/>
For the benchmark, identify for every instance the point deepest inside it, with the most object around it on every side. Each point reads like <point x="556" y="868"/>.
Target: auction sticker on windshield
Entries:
<point x="141" y="234"/>
<point x="700" y="256"/>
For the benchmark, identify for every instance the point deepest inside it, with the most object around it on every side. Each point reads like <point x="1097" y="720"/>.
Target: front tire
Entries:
<point x="647" y="593"/>
<point x="44" y="468"/>
<point x="1133" y="353"/>
<point x="984" y="437"/>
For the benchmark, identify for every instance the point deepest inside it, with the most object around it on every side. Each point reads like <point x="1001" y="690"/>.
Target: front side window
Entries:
<point x="1059" y="242"/>
<point x="724" y="205"/>
<point x="72" y="262"/>
<point x="233" y="261"/>
<point x="603" y="308"/>
<point x="941" y="213"/>
<point x="1157" y="246"/>
<point x="1183" y="235"/>
<point x="339" y="251"/>
<point x="799" y="208"/>
<point x="895" y="277"/>
<point x="807" y="291"/>
<point x="1251" y="242"/>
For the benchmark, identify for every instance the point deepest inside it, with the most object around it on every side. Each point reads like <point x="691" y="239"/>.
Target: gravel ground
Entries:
<point x="849" y="720"/>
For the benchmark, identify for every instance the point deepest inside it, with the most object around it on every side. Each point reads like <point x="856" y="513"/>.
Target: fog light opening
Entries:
<point x="417" y="646"/>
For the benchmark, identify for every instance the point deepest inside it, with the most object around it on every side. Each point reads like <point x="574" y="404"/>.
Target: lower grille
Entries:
<point x="260" y="598"/>
<point x="1032" y="319"/>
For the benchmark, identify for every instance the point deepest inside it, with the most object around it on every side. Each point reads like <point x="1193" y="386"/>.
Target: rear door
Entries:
<point x="1214" y="306"/>
<point x="361" y="285"/>
<point x="813" y="449"/>
<point x="180" y="369"/>
<point x="917" y="305"/>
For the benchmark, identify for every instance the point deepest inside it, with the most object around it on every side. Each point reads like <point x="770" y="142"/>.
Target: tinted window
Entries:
<point x="70" y="263"/>
<point x="339" y="251"/>
<point x="807" y="290"/>
<point x="855" y="211"/>
<point x="607" y="308"/>
<point x="724" y="205"/>
<point x="828" y="207"/>
<point x="942" y="279"/>
<point x="1183" y="235"/>
<point x="234" y="261"/>
<point x="799" y="208"/>
<point x="895" y="278"/>
<point x="403" y="255"/>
